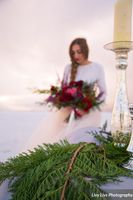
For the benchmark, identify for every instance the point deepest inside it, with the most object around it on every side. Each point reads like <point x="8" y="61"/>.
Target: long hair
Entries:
<point x="85" y="51"/>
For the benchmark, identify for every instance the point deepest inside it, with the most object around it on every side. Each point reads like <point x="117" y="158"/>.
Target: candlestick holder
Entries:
<point x="121" y="119"/>
<point x="129" y="165"/>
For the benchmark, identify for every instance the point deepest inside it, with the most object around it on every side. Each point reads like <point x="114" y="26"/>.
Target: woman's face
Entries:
<point x="77" y="55"/>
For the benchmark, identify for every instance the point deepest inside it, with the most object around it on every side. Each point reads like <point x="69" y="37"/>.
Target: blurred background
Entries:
<point x="34" y="41"/>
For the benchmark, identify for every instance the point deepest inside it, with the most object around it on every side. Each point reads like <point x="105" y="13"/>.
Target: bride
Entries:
<point x="53" y="129"/>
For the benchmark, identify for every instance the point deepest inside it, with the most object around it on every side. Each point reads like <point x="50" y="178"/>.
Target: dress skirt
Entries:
<point x="54" y="128"/>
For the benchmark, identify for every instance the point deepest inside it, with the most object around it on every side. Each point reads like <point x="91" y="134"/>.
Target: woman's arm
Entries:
<point x="102" y="84"/>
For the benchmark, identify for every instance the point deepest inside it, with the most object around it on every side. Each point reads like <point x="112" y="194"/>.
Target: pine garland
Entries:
<point x="64" y="171"/>
<point x="69" y="169"/>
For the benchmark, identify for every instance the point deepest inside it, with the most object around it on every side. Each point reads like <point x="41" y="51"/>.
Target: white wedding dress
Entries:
<point x="53" y="129"/>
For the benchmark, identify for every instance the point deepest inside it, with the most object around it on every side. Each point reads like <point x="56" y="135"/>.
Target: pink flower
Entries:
<point x="72" y="91"/>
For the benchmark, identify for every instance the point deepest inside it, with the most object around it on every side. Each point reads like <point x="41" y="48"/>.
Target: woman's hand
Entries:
<point x="67" y="109"/>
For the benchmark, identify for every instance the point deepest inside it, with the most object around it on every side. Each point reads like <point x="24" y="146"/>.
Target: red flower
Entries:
<point x="77" y="94"/>
<point x="66" y="97"/>
<point x="79" y="83"/>
<point x="87" y="103"/>
<point x="72" y="83"/>
<point x="76" y="83"/>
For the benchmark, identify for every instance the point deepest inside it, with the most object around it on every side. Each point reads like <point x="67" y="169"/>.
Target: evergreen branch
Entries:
<point x="70" y="168"/>
<point x="63" y="170"/>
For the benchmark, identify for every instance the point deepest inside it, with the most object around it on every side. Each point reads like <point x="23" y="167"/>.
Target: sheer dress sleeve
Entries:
<point x="102" y="84"/>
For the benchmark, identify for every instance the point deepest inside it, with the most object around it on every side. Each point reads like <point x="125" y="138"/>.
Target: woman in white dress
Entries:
<point x="53" y="129"/>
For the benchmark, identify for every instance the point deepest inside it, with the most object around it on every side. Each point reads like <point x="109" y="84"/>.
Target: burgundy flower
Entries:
<point x="88" y="104"/>
<point x="66" y="97"/>
<point x="79" y="83"/>
<point x="72" y="83"/>
<point x="77" y="94"/>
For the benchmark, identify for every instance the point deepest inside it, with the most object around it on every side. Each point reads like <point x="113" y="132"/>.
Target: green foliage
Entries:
<point x="114" y="151"/>
<point x="76" y="169"/>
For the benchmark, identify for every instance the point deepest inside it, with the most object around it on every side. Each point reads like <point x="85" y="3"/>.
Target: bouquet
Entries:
<point x="78" y="95"/>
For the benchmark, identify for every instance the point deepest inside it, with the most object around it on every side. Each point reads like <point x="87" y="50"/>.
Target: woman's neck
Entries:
<point x="86" y="62"/>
